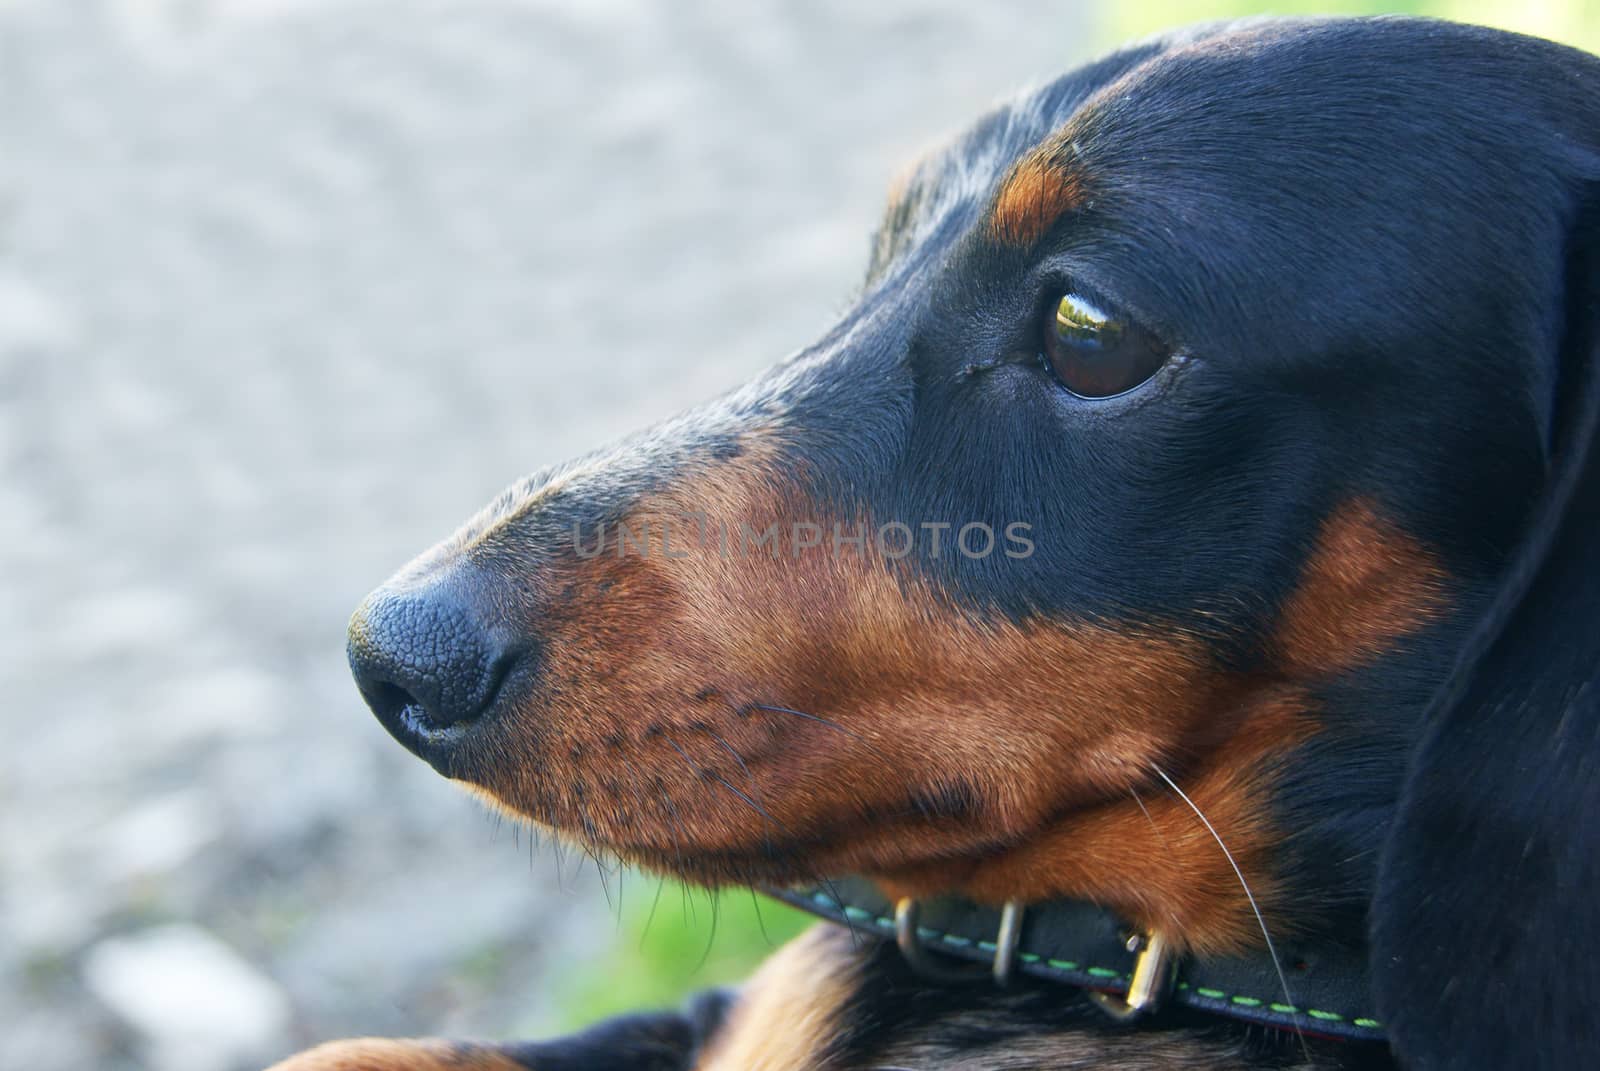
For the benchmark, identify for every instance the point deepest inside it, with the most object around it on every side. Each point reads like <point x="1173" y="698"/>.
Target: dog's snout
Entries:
<point x="426" y="663"/>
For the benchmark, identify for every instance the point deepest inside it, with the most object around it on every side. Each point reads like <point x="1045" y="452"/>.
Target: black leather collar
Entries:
<point x="1082" y="945"/>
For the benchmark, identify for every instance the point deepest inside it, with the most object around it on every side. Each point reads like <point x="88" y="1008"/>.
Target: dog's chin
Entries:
<point x="770" y="859"/>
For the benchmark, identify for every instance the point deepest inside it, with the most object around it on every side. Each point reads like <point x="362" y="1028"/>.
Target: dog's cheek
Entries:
<point x="1365" y="585"/>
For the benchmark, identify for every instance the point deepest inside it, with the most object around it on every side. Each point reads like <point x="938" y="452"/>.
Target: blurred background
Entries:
<point x="287" y="289"/>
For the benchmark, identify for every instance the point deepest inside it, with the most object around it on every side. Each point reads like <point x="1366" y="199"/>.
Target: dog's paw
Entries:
<point x="389" y="1054"/>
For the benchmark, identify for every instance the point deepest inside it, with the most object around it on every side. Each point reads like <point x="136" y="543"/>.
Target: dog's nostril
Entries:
<point x="390" y="701"/>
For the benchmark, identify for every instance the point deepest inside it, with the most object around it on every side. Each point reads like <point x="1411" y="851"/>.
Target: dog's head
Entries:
<point x="1198" y="414"/>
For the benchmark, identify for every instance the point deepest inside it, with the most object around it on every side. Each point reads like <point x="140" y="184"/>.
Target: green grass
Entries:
<point x="1576" y="22"/>
<point x="666" y="948"/>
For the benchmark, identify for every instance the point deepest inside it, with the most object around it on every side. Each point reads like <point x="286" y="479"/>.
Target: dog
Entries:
<point x="1191" y="530"/>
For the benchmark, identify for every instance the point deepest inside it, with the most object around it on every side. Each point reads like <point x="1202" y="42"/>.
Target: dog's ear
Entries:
<point x="1486" y="919"/>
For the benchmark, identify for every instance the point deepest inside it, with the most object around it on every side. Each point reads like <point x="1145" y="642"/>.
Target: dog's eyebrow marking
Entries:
<point x="1038" y="190"/>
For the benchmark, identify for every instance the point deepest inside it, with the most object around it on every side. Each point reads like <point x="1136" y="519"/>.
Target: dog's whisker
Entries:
<point x="695" y="766"/>
<point x="736" y="756"/>
<point x="590" y="846"/>
<point x="1154" y="825"/>
<point x="677" y="829"/>
<point x="761" y="923"/>
<point x="1272" y="952"/>
<point x="711" y="938"/>
<point x="1148" y="817"/>
<point x="755" y="787"/>
<point x="817" y="878"/>
<point x="560" y="856"/>
<point x="622" y="888"/>
<point x="655" y="902"/>
<point x="825" y="722"/>
<point x="838" y="900"/>
<point x="605" y="886"/>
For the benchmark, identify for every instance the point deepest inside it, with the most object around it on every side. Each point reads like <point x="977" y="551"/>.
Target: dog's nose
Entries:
<point x="425" y="663"/>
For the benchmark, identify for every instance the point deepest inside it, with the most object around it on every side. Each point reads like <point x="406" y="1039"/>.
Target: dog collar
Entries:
<point x="1081" y="945"/>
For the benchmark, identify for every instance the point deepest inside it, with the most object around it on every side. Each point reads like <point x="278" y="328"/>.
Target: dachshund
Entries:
<point x="1191" y="527"/>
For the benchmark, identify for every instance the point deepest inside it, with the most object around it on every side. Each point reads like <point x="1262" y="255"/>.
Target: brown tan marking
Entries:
<point x="392" y="1054"/>
<point x="1037" y="192"/>
<point x="896" y="228"/>
<point x="647" y="739"/>
<point x="1366" y="585"/>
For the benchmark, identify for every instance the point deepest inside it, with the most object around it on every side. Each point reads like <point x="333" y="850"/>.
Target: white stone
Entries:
<point x="195" y="1002"/>
<point x="158" y="836"/>
<point x="30" y="317"/>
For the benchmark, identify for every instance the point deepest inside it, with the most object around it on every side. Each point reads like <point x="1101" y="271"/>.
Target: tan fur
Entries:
<point x="792" y="1010"/>
<point x="387" y="1054"/>
<point x="1036" y="193"/>
<point x="647" y="738"/>
<point x="1366" y="585"/>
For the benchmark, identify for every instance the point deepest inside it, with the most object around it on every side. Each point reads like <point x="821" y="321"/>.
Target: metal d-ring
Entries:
<point x="1153" y="975"/>
<point x="906" y="913"/>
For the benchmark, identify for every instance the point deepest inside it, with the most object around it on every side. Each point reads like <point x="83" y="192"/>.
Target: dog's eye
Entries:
<point x="1096" y="354"/>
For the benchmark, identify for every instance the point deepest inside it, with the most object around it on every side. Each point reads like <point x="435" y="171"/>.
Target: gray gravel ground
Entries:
<point x="287" y="289"/>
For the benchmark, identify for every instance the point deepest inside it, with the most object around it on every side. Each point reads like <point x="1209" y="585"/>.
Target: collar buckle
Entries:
<point x="1153" y="975"/>
<point x="906" y="912"/>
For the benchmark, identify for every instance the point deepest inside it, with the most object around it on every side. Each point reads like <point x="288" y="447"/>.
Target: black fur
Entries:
<point x="1375" y="247"/>
<point x="1485" y="914"/>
